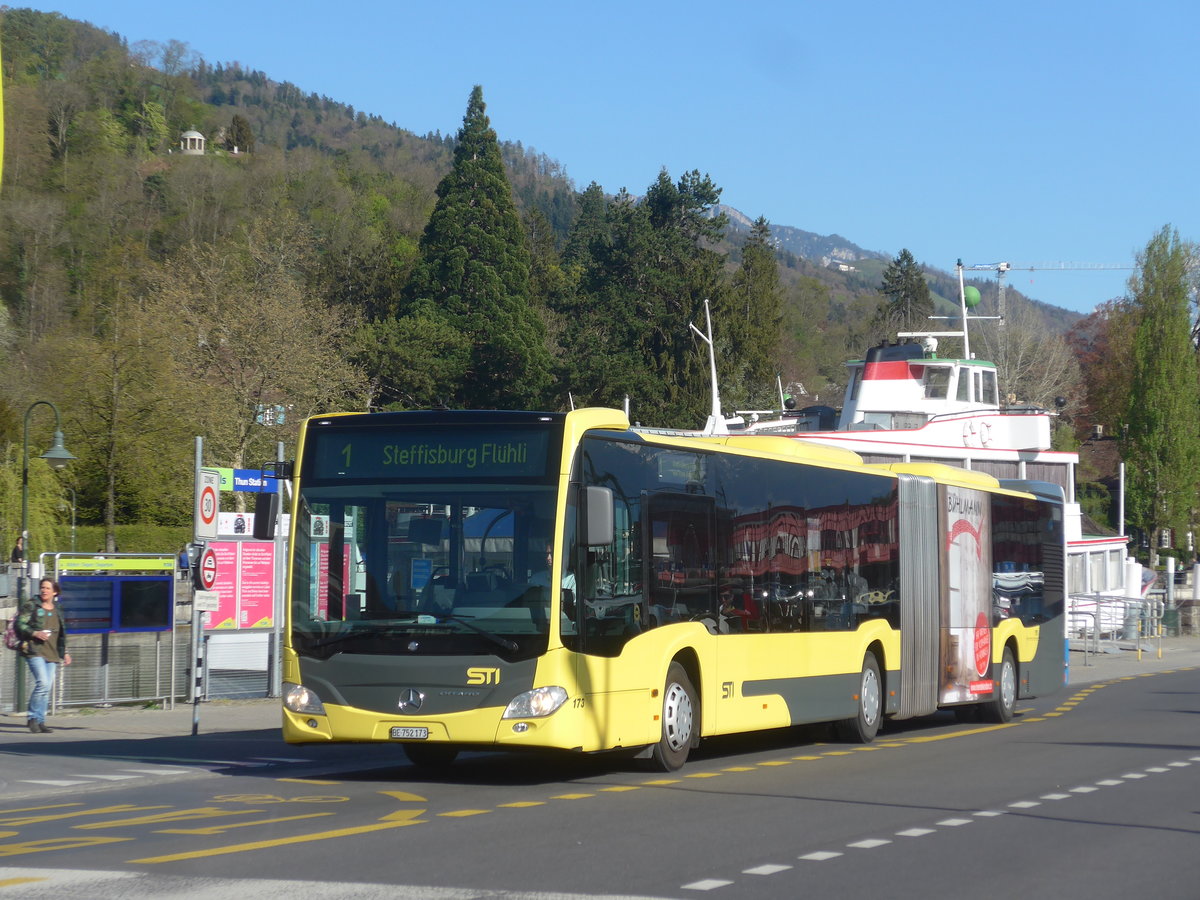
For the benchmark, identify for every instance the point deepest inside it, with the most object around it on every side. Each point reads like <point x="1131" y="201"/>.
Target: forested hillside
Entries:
<point x="317" y="258"/>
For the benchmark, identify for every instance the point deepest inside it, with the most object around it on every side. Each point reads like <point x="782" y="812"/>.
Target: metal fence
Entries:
<point x="141" y="667"/>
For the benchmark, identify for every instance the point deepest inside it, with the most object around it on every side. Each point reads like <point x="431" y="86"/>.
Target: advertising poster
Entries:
<point x="245" y="584"/>
<point x="966" y="633"/>
<point x="256" y="589"/>
<point x="226" y="585"/>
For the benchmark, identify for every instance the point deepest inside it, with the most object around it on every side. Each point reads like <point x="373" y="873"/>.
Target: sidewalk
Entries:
<point x="216" y="717"/>
<point x="1121" y="659"/>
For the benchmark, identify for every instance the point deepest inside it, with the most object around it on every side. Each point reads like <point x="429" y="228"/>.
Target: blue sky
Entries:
<point x="1034" y="133"/>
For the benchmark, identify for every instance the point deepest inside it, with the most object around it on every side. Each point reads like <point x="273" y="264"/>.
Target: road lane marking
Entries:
<point x="767" y="869"/>
<point x="707" y="884"/>
<point x="201" y="812"/>
<point x="56" y="817"/>
<point x="221" y="829"/>
<point x="276" y="842"/>
<point x="49" y="844"/>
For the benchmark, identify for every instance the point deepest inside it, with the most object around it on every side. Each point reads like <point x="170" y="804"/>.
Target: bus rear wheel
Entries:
<point x="863" y="727"/>
<point x="1002" y="707"/>
<point x="679" y="721"/>
<point x="431" y="756"/>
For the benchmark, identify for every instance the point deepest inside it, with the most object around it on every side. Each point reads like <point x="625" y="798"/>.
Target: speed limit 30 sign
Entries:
<point x="207" y="503"/>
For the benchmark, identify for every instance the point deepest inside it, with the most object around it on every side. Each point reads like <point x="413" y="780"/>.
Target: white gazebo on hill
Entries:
<point x="192" y="143"/>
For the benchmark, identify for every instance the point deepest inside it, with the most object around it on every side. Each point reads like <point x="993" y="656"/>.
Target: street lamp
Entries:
<point x="58" y="456"/>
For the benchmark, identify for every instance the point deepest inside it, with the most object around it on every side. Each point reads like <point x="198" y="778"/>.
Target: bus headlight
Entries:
<point x="536" y="703"/>
<point x="300" y="699"/>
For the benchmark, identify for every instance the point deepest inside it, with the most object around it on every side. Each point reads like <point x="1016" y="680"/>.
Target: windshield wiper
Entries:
<point x="467" y="623"/>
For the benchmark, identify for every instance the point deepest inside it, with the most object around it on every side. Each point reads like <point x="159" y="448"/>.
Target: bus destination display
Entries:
<point x="431" y="453"/>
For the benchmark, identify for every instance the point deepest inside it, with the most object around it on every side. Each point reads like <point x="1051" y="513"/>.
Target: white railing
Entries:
<point x="1096" y="619"/>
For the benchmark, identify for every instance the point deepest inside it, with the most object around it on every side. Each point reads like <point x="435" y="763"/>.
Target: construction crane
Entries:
<point x="1001" y="267"/>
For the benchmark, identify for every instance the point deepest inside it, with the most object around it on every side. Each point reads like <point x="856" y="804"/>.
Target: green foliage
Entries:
<point x="907" y="305"/>
<point x="473" y="274"/>
<point x="753" y="318"/>
<point x="1163" y="442"/>
<point x="1096" y="501"/>
<point x="131" y="538"/>
<point x="645" y="271"/>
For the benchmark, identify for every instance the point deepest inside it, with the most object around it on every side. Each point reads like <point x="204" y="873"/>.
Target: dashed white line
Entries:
<point x="1113" y="782"/>
<point x="820" y="855"/>
<point x="989" y="813"/>
<point x="954" y="823"/>
<point x="869" y="844"/>
<point x="1025" y="804"/>
<point x="915" y="832"/>
<point x="708" y="884"/>
<point x="768" y="869"/>
<point x="1086" y="789"/>
<point x="1055" y="796"/>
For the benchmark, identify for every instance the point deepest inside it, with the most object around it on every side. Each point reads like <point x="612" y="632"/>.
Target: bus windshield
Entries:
<point x="418" y="537"/>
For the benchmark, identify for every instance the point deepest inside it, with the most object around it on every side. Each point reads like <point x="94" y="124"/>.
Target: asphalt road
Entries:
<point x="1093" y="793"/>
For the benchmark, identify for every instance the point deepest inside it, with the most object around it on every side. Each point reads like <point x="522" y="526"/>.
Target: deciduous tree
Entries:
<point x="1163" y="443"/>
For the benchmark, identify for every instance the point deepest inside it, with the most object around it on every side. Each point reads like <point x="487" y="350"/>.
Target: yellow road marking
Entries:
<point x="662" y="781"/>
<point x="13" y="882"/>
<point x="617" y="788"/>
<point x="776" y="762"/>
<point x="704" y="775"/>
<point x="406" y="797"/>
<point x="203" y="812"/>
<point x="306" y="781"/>
<point x="522" y="804"/>
<point x="48" y="844"/>
<point x="277" y="842"/>
<point x="221" y="829"/>
<point x="958" y="734"/>
<point x="463" y="813"/>
<point x="34" y="820"/>
<point x="572" y="796"/>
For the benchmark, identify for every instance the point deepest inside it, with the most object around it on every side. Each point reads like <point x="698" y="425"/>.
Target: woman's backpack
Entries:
<point x="11" y="640"/>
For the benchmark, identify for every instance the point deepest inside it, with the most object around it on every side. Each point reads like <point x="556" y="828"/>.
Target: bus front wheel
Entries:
<point x="1001" y="708"/>
<point x="863" y="727"/>
<point x="679" y="721"/>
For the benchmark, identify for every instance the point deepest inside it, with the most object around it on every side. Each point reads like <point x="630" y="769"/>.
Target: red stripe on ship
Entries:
<point x="893" y="370"/>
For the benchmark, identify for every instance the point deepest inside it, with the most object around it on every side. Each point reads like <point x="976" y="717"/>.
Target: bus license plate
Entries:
<point x="410" y="734"/>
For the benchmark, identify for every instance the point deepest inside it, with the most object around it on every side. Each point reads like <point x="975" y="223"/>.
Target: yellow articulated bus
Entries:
<point x="511" y="580"/>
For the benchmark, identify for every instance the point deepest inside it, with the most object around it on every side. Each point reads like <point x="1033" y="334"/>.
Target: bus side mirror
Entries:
<point x="599" y="516"/>
<point x="266" y="512"/>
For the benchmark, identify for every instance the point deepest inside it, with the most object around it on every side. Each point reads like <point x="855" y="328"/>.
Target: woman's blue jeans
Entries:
<point x="43" y="672"/>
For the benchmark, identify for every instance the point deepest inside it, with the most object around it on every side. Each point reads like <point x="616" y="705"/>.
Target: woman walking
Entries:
<point x="42" y="628"/>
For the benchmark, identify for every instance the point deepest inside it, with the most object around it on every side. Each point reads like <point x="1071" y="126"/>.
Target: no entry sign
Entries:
<point x="207" y="570"/>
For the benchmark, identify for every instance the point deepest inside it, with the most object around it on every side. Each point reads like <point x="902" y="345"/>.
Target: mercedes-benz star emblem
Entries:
<point x="411" y="700"/>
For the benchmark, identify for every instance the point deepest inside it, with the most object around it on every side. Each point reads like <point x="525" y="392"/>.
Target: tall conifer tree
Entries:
<point x="754" y="313"/>
<point x="474" y="273"/>
<point x="907" y="303"/>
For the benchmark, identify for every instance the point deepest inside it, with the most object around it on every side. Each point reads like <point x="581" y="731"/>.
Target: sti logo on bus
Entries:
<point x="483" y="676"/>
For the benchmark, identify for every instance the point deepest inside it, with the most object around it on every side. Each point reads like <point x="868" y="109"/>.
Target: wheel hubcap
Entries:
<point x="1008" y="686"/>
<point x="870" y="697"/>
<point x="677" y="717"/>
